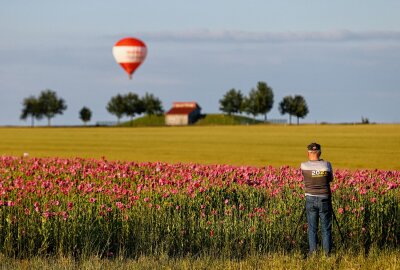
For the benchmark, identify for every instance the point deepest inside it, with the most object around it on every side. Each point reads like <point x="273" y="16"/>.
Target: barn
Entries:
<point x="182" y="113"/>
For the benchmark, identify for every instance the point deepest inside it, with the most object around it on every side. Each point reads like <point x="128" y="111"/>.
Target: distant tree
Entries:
<point x="133" y="105"/>
<point x="286" y="107"/>
<point x="50" y="104"/>
<point x="300" y="107"/>
<point x="250" y="105"/>
<point x="259" y="101"/>
<point x="31" y="108"/>
<point x="85" y="114"/>
<point x="152" y="105"/>
<point x="364" y="120"/>
<point x="294" y="106"/>
<point x="265" y="99"/>
<point x="116" y="106"/>
<point x="232" y="102"/>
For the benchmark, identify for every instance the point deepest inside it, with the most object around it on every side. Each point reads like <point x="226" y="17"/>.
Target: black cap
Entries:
<point x="314" y="147"/>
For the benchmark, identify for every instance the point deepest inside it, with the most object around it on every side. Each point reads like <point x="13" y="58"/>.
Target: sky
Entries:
<point x="342" y="56"/>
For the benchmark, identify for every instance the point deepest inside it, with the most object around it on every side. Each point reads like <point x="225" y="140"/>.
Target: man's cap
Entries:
<point x="314" y="147"/>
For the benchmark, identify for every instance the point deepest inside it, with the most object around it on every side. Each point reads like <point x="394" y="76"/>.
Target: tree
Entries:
<point x="232" y="102"/>
<point x="50" y="104"/>
<point x="265" y="99"/>
<point x="116" y="106"/>
<point x="294" y="106"/>
<point x="286" y="106"/>
<point x="133" y="105"/>
<point x="300" y="107"/>
<point x="364" y="120"/>
<point x="250" y="105"/>
<point x="259" y="101"/>
<point x="85" y="114"/>
<point x="152" y="105"/>
<point x="31" y="108"/>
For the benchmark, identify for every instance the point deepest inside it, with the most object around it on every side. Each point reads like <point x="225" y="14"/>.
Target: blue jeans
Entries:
<point x="319" y="208"/>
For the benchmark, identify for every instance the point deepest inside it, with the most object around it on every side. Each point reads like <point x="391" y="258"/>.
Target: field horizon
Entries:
<point x="346" y="146"/>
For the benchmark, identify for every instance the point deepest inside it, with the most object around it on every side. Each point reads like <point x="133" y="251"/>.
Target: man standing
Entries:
<point x="317" y="175"/>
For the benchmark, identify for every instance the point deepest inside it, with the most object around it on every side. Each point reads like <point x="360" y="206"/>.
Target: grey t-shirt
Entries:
<point x="317" y="176"/>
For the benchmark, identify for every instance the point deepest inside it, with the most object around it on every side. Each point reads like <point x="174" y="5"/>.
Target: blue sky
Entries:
<point x="342" y="56"/>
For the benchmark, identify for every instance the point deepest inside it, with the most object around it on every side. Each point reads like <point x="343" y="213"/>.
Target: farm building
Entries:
<point x="182" y="113"/>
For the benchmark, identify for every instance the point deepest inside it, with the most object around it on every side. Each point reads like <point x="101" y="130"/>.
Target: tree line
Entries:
<point x="131" y="104"/>
<point x="260" y="101"/>
<point x="48" y="105"/>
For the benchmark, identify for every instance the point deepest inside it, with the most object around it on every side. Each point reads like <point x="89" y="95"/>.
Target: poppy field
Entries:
<point x="84" y="207"/>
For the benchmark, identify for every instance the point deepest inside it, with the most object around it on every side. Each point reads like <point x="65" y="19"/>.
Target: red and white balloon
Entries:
<point x="130" y="53"/>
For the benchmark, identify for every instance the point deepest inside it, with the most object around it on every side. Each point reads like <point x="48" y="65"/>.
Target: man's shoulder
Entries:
<point x="325" y="161"/>
<point x="303" y="165"/>
<point x="316" y="165"/>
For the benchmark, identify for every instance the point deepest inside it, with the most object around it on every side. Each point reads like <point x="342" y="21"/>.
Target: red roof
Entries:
<point x="181" y="110"/>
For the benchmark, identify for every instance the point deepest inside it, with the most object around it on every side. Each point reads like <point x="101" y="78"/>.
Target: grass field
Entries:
<point x="387" y="261"/>
<point x="346" y="146"/>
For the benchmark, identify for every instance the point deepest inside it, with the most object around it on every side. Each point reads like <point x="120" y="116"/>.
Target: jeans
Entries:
<point x="319" y="208"/>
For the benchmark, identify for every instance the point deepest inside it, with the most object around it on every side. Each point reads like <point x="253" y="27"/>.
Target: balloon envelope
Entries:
<point x="130" y="53"/>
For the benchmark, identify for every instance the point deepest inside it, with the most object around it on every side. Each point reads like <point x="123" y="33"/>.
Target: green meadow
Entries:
<point x="346" y="146"/>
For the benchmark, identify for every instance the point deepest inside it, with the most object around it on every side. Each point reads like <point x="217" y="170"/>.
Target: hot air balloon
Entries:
<point x="130" y="53"/>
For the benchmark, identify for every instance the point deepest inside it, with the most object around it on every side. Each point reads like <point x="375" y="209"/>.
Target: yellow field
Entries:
<point x="346" y="146"/>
